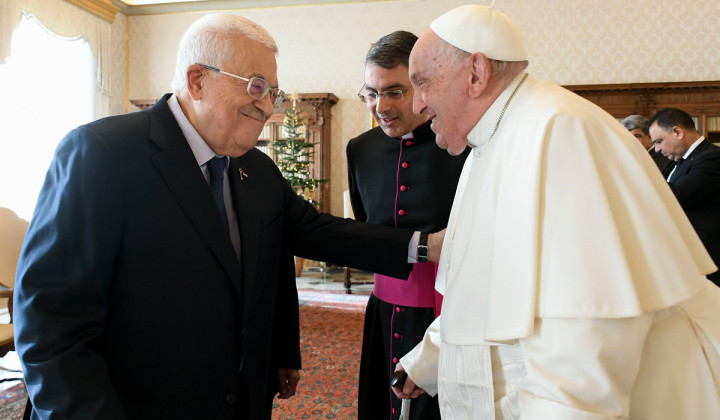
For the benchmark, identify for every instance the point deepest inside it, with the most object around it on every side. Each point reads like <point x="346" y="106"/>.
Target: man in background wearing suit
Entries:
<point x="639" y="127"/>
<point x="398" y="177"/>
<point x="695" y="177"/>
<point x="150" y="284"/>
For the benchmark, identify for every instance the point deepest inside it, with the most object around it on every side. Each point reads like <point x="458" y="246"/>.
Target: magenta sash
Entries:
<point x="417" y="291"/>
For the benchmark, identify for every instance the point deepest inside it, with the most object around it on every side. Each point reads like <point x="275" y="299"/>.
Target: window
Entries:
<point x="47" y="87"/>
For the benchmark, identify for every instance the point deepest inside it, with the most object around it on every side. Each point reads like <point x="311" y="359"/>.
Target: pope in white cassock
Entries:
<point x="574" y="284"/>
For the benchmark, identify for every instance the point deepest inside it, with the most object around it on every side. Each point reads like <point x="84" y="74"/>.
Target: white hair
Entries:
<point x="207" y="41"/>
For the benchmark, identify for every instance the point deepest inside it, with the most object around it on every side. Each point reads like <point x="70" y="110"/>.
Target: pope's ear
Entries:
<point x="479" y="74"/>
<point x="196" y="79"/>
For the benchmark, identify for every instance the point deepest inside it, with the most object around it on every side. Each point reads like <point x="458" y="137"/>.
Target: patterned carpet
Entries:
<point x="12" y="402"/>
<point x="330" y="342"/>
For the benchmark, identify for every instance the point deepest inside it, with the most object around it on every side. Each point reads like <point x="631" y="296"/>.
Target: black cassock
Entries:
<point x="407" y="183"/>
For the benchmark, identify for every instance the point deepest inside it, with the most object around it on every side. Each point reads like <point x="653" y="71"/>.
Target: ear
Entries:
<point x="678" y="132"/>
<point x="479" y="74"/>
<point x="196" y="78"/>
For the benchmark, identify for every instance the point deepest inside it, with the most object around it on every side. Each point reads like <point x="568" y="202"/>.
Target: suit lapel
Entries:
<point x="177" y="166"/>
<point x="684" y="167"/>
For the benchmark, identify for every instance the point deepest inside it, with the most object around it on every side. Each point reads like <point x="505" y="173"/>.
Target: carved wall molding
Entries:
<point x="104" y="9"/>
<point x="621" y="100"/>
<point x="700" y="99"/>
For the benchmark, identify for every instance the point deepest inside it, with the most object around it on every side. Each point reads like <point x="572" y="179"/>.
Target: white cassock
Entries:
<point x="574" y="284"/>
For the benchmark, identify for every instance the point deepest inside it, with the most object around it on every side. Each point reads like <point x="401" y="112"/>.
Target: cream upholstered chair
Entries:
<point x="12" y="234"/>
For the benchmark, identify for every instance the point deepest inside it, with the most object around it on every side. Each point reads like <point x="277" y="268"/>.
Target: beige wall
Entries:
<point x="569" y="42"/>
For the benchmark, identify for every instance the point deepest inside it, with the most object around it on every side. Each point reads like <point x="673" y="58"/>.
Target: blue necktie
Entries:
<point x="216" y="167"/>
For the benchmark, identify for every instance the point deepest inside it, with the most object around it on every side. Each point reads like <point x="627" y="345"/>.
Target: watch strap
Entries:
<point x="422" y="248"/>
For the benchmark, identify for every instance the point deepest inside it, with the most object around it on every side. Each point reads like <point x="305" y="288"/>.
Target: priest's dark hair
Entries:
<point x="392" y="50"/>
<point x="670" y="117"/>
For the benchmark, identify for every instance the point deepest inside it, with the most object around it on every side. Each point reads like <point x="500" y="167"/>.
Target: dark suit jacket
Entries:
<point x="696" y="184"/>
<point x="130" y="299"/>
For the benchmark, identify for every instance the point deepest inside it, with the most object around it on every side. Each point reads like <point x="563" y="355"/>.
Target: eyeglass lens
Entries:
<point x="258" y="88"/>
<point x="371" y="97"/>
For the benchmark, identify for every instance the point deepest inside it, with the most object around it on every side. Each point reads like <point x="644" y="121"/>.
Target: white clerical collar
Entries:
<point x="480" y="134"/>
<point x="203" y="153"/>
<point x="693" y="146"/>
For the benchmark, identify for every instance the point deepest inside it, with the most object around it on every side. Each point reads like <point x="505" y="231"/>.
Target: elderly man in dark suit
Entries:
<point x="639" y="126"/>
<point x="695" y="177"/>
<point x="153" y="283"/>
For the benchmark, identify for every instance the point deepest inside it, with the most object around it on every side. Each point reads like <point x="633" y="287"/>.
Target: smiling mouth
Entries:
<point x="385" y="118"/>
<point x="259" y="117"/>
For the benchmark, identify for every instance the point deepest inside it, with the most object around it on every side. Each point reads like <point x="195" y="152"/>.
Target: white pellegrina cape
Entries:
<point x="561" y="214"/>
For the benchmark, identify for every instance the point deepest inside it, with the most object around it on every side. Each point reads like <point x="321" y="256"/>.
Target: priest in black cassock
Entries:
<point x="399" y="177"/>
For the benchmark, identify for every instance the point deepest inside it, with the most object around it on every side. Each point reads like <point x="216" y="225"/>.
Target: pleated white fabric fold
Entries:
<point x="465" y="388"/>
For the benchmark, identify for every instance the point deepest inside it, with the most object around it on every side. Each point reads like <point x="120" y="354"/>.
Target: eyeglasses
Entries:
<point x="372" y="97"/>
<point x="257" y="87"/>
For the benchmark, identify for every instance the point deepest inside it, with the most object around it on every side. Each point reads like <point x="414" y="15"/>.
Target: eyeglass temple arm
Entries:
<point x="209" y="67"/>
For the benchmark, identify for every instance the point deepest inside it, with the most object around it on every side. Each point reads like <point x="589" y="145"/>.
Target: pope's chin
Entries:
<point x="440" y="141"/>
<point x="455" y="152"/>
<point x="449" y="146"/>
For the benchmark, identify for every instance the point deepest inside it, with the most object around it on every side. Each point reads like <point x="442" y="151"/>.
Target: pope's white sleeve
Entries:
<point x="421" y="363"/>
<point x="581" y="369"/>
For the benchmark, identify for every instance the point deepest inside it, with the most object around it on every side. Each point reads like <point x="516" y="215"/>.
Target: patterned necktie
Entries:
<point x="216" y="167"/>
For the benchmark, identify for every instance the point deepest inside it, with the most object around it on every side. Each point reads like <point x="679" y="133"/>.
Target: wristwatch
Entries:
<point x="422" y="248"/>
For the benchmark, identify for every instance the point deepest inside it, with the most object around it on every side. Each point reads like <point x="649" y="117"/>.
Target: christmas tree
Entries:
<point x="294" y="155"/>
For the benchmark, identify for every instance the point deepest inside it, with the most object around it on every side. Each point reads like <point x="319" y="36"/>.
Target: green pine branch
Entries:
<point x="294" y="155"/>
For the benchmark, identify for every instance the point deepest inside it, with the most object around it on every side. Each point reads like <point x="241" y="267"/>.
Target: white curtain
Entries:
<point x="48" y="88"/>
<point x="68" y="21"/>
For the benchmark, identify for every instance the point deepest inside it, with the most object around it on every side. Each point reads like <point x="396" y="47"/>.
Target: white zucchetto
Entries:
<point x="475" y="28"/>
